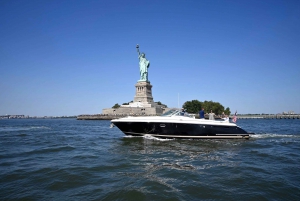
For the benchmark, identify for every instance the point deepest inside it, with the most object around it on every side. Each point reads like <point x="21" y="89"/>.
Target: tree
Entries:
<point x="216" y="107"/>
<point x="127" y="103"/>
<point x="227" y="111"/>
<point x="193" y="106"/>
<point x="116" y="106"/>
<point x="161" y="104"/>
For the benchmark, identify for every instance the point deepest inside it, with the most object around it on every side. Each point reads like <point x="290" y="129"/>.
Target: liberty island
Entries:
<point x="143" y="102"/>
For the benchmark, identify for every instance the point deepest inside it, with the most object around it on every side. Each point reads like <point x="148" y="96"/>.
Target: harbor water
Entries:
<point x="67" y="159"/>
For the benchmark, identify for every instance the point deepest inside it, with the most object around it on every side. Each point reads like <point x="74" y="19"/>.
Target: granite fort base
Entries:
<point x="143" y="103"/>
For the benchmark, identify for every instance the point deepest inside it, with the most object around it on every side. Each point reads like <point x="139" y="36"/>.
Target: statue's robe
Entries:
<point x="144" y="65"/>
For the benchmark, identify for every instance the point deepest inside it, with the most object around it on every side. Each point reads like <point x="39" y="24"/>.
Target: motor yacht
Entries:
<point x="177" y="124"/>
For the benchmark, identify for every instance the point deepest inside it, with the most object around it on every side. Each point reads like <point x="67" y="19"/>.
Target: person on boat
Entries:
<point x="201" y="114"/>
<point x="211" y="115"/>
<point x="226" y="118"/>
<point x="182" y="112"/>
<point x="223" y="115"/>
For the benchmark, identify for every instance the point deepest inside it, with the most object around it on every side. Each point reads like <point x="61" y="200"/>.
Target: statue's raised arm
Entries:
<point x="138" y="50"/>
<point x="144" y="65"/>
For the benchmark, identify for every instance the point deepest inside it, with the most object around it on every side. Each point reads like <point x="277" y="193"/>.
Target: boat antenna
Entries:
<point x="178" y="100"/>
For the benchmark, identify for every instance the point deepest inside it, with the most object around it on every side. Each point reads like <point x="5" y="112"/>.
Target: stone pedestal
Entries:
<point x="143" y="94"/>
<point x="143" y="103"/>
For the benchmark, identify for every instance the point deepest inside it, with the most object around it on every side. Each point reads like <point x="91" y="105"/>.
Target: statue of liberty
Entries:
<point x="144" y="65"/>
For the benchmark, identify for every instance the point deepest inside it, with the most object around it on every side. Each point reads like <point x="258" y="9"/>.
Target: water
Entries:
<point x="66" y="159"/>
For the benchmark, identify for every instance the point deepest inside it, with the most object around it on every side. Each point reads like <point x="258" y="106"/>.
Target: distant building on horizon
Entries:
<point x="289" y="112"/>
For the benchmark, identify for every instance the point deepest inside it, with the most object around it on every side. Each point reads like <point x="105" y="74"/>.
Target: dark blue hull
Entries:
<point x="181" y="130"/>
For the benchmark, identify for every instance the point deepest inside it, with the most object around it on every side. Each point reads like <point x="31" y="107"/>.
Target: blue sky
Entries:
<point x="78" y="57"/>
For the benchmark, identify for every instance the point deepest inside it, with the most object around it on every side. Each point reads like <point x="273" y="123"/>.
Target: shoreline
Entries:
<point x="110" y="117"/>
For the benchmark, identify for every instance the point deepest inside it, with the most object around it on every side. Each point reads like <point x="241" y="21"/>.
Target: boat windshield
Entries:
<point x="175" y="112"/>
<point x="170" y="113"/>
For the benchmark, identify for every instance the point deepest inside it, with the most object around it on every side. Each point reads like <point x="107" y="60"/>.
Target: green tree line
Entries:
<point x="194" y="106"/>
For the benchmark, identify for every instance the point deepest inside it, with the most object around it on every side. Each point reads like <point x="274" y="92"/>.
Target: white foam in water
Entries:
<point x="270" y="135"/>
<point x="266" y="135"/>
<point x="150" y="137"/>
<point x="131" y="136"/>
<point x="38" y="127"/>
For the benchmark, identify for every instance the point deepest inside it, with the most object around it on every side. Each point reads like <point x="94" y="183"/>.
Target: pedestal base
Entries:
<point x="143" y="92"/>
<point x="143" y="103"/>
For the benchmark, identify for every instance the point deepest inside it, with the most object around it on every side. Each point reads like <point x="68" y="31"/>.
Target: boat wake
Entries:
<point x="272" y="135"/>
<point x="148" y="137"/>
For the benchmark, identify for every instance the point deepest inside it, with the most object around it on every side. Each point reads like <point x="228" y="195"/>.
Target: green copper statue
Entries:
<point x="144" y="65"/>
